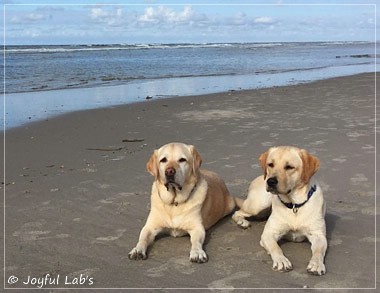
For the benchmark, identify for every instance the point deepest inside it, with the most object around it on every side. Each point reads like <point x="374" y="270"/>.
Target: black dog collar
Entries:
<point x="296" y="206"/>
<point x="174" y="202"/>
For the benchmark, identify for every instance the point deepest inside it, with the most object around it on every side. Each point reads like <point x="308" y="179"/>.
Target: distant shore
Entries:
<point x="77" y="192"/>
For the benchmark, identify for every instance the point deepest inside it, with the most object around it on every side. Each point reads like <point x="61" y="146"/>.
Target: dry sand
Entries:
<point x="77" y="196"/>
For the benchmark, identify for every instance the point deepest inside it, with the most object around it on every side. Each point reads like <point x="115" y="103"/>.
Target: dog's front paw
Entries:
<point x="316" y="267"/>
<point x="282" y="264"/>
<point x="198" y="256"/>
<point x="137" y="254"/>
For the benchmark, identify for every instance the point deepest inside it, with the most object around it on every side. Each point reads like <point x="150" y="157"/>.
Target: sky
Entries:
<point x="134" y="22"/>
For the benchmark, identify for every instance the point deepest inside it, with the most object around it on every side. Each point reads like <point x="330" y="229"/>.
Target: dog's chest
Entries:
<point x="182" y="217"/>
<point x="297" y="223"/>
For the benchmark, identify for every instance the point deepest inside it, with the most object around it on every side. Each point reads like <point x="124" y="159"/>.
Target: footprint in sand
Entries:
<point x="369" y="239"/>
<point x="90" y="169"/>
<point x="267" y="143"/>
<point x="225" y="283"/>
<point x="86" y="272"/>
<point x="340" y="159"/>
<point x="358" y="179"/>
<point x="345" y="283"/>
<point x="119" y="199"/>
<point x="343" y="208"/>
<point x="181" y="265"/>
<point x="119" y="233"/>
<point x="370" y="211"/>
<point x="33" y="231"/>
<point x="335" y="242"/>
<point x="103" y="186"/>
<point x="238" y="182"/>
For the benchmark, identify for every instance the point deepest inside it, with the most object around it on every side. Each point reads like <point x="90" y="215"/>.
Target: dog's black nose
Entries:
<point x="170" y="171"/>
<point x="272" y="182"/>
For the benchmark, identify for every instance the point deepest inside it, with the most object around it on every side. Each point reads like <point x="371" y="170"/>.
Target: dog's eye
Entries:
<point x="270" y="165"/>
<point x="288" y="167"/>
<point x="163" y="160"/>
<point x="181" y="160"/>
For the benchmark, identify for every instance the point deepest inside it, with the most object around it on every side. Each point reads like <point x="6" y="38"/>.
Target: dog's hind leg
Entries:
<point x="258" y="203"/>
<point x="239" y="218"/>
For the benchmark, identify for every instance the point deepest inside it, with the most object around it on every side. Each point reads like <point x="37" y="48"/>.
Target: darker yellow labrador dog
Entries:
<point x="184" y="200"/>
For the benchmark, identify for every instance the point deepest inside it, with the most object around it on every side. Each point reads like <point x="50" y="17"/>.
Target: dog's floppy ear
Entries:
<point x="310" y="165"/>
<point x="197" y="159"/>
<point x="263" y="161"/>
<point x="152" y="165"/>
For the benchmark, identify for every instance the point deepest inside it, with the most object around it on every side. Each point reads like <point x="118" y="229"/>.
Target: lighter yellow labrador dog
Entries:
<point x="184" y="200"/>
<point x="297" y="204"/>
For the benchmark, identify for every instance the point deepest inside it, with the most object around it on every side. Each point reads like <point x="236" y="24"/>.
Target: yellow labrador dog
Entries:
<point x="184" y="200"/>
<point x="297" y="204"/>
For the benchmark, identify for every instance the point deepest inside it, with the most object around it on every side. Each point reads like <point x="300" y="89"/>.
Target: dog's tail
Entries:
<point x="232" y="204"/>
<point x="239" y="202"/>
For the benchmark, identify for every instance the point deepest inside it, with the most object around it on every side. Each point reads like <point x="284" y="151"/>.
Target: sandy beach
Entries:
<point x="77" y="192"/>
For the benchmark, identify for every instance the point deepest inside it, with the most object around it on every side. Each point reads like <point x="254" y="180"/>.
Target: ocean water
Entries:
<point x="43" y="81"/>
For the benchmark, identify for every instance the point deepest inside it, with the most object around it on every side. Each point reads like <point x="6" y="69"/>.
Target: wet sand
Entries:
<point x="77" y="192"/>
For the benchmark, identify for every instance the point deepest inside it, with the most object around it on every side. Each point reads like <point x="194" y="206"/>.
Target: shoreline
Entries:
<point x="75" y="78"/>
<point x="77" y="191"/>
<point x="24" y="108"/>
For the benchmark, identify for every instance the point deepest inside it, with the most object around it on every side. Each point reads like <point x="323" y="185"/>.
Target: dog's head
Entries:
<point x="287" y="168"/>
<point x="175" y="164"/>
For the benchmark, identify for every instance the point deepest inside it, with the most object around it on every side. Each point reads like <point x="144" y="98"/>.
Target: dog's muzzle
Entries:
<point x="272" y="184"/>
<point x="170" y="179"/>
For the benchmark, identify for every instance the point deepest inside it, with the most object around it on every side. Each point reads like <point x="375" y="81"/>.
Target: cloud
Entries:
<point x="107" y="16"/>
<point x="35" y="17"/>
<point x="184" y="23"/>
<point x="50" y="8"/>
<point x="28" y="18"/>
<point x="263" y="20"/>
<point x="242" y="20"/>
<point x="166" y="15"/>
